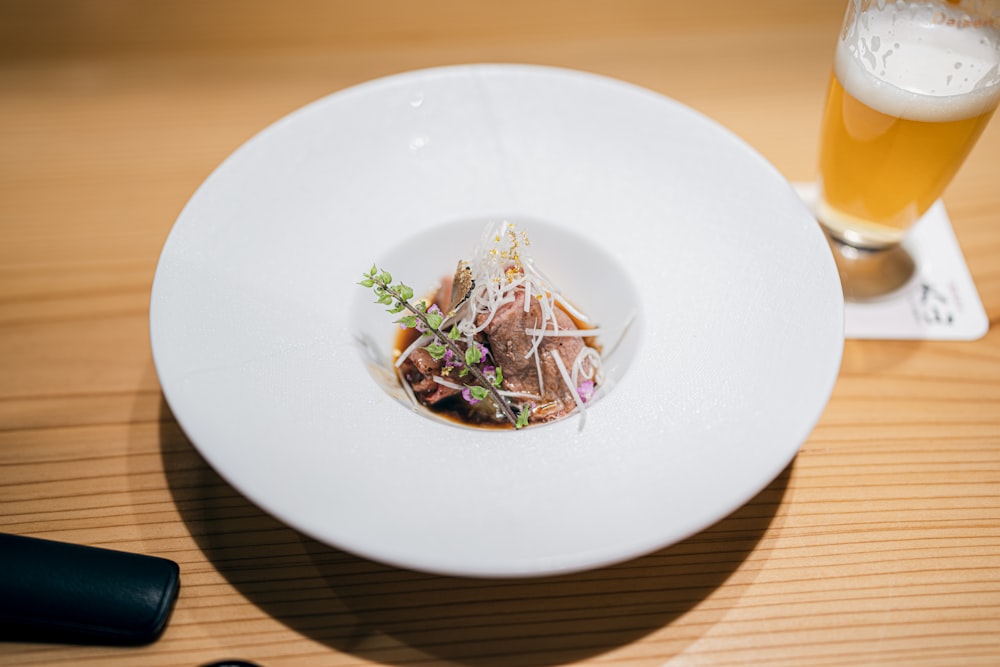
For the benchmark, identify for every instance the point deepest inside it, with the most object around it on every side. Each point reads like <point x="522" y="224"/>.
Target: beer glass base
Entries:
<point x="871" y="274"/>
<point x="856" y="232"/>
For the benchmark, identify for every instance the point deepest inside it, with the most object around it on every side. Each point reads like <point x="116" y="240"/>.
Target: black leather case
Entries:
<point x="59" y="592"/>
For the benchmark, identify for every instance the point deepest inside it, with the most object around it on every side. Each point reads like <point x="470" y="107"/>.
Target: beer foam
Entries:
<point x="916" y="61"/>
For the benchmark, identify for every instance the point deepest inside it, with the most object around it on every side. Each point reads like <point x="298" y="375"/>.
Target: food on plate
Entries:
<point x="496" y="344"/>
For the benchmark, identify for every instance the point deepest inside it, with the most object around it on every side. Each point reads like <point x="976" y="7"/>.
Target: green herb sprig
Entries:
<point x="397" y="297"/>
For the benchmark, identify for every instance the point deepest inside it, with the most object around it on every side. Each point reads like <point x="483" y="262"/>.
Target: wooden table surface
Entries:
<point x="878" y="545"/>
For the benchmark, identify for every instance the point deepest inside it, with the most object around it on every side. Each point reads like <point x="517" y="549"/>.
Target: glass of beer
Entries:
<point x="914" y="84"/>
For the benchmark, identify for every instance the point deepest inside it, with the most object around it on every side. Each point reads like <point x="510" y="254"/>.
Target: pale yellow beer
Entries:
<point x="912" y="89"/>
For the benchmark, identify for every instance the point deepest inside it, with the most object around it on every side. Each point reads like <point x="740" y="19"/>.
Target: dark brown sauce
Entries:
<point x="456" y="410"/>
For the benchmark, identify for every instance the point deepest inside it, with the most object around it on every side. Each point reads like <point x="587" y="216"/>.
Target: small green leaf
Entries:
<point x="436" y="350"/>
<point x="374" y="270"/>
<point x="408" y="321"/>
<point x="479" y="393"/>
<point x="498" y="380"/>
<point x="398" y="308"/>
<point x="522" y="417"/>
<point x="385" y="300"/>
<point x="454" y="333"/>
<point x="472" y="355"/>
<point x="405" y="292"/>
<point x="434" y="320"/>
<point x="367" y="282"/>
<point x="465" y="371"/>
<point x="385" y="278"/>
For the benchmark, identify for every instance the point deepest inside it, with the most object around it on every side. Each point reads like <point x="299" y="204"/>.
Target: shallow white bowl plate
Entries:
<point x="271" y="356"/>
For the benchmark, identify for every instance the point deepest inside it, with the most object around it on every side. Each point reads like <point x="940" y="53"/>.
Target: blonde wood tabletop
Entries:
<point x="878" y="545"/>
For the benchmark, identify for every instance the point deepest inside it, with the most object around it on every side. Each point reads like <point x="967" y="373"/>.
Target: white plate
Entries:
<point x="636" y="204"/>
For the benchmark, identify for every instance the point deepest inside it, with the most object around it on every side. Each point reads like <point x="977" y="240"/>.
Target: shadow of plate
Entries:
<point x="395" y="616"/>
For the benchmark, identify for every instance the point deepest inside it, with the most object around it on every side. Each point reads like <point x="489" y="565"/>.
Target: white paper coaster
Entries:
<point x="935" y="299"/>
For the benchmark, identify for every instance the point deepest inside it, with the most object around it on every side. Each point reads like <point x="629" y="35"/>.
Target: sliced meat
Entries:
<point x="419" y="371"/>
<point x="511" y="346"/>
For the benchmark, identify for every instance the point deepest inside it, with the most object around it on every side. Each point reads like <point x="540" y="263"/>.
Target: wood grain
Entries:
<point x="879" y="545"/>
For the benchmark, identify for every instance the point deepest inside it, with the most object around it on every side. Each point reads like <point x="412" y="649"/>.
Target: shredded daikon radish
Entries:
<point x="569" y="384"/>
<point x="520" y="394"/>
<point x="581" y="333"/>
<point x="445" y="383"/>
<point x="538" y="369"/>
<point x="587" y="366"/>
